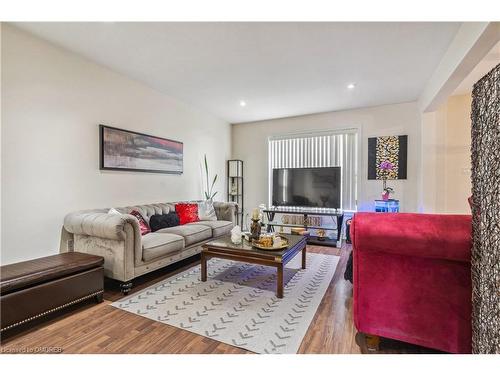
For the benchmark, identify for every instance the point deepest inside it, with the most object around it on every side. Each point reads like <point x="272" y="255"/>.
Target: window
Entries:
<point x="331" y="149"/>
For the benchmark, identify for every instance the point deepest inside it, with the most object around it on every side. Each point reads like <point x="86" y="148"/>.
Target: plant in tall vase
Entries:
<point x="209" y="193"/>
<point x="386" y="167"/>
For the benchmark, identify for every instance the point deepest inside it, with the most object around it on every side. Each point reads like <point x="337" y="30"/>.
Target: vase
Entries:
<point x="385" y="196"/>
<point x="255" y="229"/>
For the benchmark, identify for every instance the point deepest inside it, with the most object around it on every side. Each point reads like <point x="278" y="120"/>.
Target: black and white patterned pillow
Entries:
<point x="206" y="211"/>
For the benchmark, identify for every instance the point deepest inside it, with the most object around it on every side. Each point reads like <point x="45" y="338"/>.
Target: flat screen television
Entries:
<point x="307" y="187"/>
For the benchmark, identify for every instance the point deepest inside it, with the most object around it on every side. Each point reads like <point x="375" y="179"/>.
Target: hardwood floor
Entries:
<point x="100" y="328"/>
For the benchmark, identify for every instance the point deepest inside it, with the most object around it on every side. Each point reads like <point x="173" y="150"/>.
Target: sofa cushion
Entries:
<point x="155" y="245"/>
<point x="206" y="211"/>
<point x="143" y="226"/>
<point x="188" y="212"/>
<point x="157" y="222"/>
<point x="192" y="233"/>
<point x="218" y="227"/>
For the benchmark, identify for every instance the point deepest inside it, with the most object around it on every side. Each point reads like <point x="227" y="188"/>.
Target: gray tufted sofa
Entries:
<point x="126" y="253"/>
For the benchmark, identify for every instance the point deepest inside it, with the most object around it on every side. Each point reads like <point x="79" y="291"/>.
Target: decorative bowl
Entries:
<point x="263" y="244"/>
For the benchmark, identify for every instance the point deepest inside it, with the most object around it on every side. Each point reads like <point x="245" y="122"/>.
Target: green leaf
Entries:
<point x="206" y="173"/>
<point x="213" y="183"/>
<point x="208" y="192"/>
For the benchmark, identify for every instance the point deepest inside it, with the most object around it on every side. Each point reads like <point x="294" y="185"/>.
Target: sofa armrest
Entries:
<point x="101" y="225"/>
<point x="423" y="235"/>
<point x="226" y="211"/>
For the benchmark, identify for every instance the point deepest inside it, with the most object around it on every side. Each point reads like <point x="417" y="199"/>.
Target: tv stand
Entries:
<point x="336" y="215"/>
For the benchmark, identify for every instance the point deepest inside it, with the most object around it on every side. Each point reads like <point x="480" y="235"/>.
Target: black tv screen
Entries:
<point x="307" y="187"/>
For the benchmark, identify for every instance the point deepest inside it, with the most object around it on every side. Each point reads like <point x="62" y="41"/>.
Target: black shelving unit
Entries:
<point x="235" y="186"/>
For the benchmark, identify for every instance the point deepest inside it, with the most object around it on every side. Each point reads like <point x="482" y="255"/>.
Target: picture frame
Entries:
<point x="393" y="149"/>
<point x="127" y="150"/>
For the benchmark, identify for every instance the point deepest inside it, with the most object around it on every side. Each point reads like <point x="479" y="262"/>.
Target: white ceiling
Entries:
<point x="279" y="69"/>
<point x="488" y="62"/>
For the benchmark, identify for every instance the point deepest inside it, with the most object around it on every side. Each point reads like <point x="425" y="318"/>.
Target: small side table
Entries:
<point x="390" y="205"/>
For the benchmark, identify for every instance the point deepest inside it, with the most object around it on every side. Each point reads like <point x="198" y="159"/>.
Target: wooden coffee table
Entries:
<point x="225" y="249"/>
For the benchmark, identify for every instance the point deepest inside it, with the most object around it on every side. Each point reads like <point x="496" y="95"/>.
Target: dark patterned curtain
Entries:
<point x="486" y="214"/>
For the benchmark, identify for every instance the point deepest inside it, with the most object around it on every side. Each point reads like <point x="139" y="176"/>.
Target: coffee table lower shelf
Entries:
<point x="224" y="249"/>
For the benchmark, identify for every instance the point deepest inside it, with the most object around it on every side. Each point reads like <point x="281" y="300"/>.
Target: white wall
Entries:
<point x="472" y="42"/>
<point x="446" y="157"/>
<point x="249" y="143"/>
<point x="53" y="101"/>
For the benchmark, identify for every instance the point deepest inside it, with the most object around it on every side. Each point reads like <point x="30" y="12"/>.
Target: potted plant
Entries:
<point x="209" y="193"/>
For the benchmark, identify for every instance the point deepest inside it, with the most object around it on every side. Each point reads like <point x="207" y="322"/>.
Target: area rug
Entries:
<point x="237" y="305"/>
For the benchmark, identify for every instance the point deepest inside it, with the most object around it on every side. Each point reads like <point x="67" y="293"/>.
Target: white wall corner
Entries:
<point x="471" y="43"/>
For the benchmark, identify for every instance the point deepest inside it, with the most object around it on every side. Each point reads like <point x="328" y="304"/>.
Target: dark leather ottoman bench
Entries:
<point x="31" y="289"/>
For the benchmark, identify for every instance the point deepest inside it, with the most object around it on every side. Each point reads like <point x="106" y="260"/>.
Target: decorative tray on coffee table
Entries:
<point x="262" y="245"/>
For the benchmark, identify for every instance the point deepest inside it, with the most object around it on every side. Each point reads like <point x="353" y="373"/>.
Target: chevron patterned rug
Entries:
<point x="237" y="304"/>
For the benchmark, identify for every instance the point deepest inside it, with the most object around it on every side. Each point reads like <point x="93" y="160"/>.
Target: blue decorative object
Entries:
<point x="390" y="205"/>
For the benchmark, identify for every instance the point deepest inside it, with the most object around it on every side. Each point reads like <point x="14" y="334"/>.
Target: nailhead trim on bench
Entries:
<point x="52" y="310"/>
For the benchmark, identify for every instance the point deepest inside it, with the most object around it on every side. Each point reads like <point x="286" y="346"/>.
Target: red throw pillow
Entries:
<point x="188" y="212"/>
<point x="143" y="226"/>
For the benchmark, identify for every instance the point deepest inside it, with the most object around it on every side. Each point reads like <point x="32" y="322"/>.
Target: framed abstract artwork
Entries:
<point x="125" y="150"/>
<point x="387" y="151"/>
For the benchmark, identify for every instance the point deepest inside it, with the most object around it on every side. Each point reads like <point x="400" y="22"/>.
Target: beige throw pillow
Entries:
<point x="206" y="211"/>
<point x="114" y="211"/>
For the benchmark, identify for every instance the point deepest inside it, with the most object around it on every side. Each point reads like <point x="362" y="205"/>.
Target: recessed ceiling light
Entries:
<point x="243" y="103"/>
<point x="350" y="86"/>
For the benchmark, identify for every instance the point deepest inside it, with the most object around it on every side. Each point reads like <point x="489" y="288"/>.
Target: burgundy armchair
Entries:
<point x="412" y="278"/>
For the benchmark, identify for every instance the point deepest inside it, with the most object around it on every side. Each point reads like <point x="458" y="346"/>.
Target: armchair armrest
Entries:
<point x="101" y="225"/>
<point x="422" y="235"/>
<point x="226" y="211"/>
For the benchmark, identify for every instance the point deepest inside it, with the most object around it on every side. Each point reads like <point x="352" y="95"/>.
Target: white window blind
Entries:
<point x="320" y="150"/>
